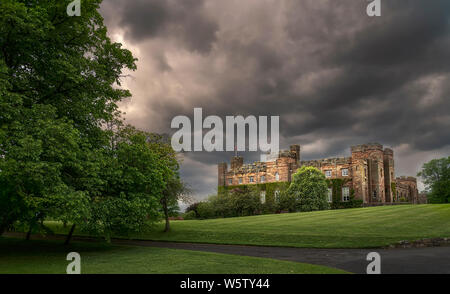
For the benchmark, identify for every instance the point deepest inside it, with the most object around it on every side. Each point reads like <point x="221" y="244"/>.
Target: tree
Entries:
<point x="134" y="179"/>
<point x="175" y="189"/>
<point x="436" y="177"/>
<point x="309" y="189"/>
<point x="58" y="88"/>
<point x="287" y="202"/>
<point x="245" y="201"/>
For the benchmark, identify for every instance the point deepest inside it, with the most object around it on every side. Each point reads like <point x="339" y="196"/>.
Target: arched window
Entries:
<point x="263" y="197"/>
<point x="277" y="176"/>
<point x="277" y="195"/>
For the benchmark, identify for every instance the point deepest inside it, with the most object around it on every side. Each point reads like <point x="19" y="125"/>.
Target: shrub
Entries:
<point x="193" y="207"/>
<point x="189" y="215"/>
<point x="206" y="210"/>
<point x="353" y="203"/>
<point x="286" y="202"/>
<point x="309" y="189"/>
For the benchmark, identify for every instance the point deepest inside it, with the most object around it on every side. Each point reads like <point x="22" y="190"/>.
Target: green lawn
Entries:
<point x="19" y="256"/>
<point x="346" y="228"/>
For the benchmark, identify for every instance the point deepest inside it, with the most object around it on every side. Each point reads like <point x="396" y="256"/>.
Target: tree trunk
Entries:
<point x="28" y="234"/>
<point x="166" y="214"/>
<point x="70" y="235"/>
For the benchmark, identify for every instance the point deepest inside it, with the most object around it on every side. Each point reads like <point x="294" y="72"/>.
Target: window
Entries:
<point x="330" y="195"/>
<point x="263" y="197"/>
<point x="240" y="180"/>
<point x="263" y="179"/>
<point x="230" y="181"/>
<point x="344" y="172"/>
<point x="345" y="194"/>
<point x="251" y="179"/>
<point x="277" y="195"/>
<point x="277" y="176"/>
<point x="328" y="173"/>
<point x="374" y="194"/>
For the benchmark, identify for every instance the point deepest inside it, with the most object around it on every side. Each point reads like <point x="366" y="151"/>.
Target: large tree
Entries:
<point x="59" y="79"/>
<point x="436" y="177"/>
<point x="308" y="189"/>
<point x="134" y="180"/>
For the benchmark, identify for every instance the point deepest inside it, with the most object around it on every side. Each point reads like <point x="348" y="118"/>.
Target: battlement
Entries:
<point x="252" y="168"/>
<point x="406" y="179"/>
<point x="388" y="151"/>
<point x="367" y="147"/>
<point x="293" y="152"/>
<point x="327" y="161"/>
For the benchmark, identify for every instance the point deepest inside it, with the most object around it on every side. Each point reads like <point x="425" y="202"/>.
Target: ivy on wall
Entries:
<point x="394" y="191"/>
<point x="336" y="189"/>
<point x="270" y="206"/>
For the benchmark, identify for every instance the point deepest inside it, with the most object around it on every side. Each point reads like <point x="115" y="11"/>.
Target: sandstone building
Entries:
<point x="368" y="174"/>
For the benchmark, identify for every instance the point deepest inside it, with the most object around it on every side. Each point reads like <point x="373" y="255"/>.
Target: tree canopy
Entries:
<point x="64" y="152"/>
<point x="436" y="177"/>
<point x="308" y="190"/>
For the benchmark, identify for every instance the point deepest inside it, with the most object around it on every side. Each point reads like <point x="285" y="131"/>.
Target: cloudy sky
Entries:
<point x="335" y="76"/>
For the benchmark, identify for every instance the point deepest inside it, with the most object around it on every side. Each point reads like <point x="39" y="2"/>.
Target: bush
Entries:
<point x="245" y="202"/>
<point x="353" y="203"/>
<point x="189" y="215"/>
<point x="206" y="210"/>
<point x="193" y="207"/>
<point x="287" y="202"/>
<point x="309" y="189"/>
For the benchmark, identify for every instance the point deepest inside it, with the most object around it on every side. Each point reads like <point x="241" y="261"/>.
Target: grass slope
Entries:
<point x="346" y="228"/>
<point x="44" y="257"/>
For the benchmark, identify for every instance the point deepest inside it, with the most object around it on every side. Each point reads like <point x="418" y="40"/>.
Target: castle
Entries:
<point x="368" y="174"/>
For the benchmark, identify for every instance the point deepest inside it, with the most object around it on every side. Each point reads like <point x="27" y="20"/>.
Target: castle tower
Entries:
<point x="222" y="170"/>
<point x="368" y="171"/>
<point x="295" y="151"/>
<point x="389" y="173"/>
<point x="237" y="162"/>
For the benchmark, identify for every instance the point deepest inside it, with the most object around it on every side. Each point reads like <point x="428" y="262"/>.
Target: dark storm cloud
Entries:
<point x="181" y="20"/>
<point x="335" y="76"/>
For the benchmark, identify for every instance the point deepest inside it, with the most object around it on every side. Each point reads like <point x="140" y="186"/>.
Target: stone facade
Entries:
<point x="369" y="173"/>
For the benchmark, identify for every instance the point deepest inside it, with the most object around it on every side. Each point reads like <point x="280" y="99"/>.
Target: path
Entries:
<point x="429" y="260"/>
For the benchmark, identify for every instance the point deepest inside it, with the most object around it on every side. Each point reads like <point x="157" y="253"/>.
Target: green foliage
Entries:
<point x="287" y="202"/>
<point x="245" y="201"/>
<point x="336" y="186"/>
<point x="190" y="215"/>
<point x="193" y="207"/>
<point x="134" y="178"/>
<point x="64" y="153"/>
<point x="394" y="191"/>
<point x="271" y="204"/>
<point x="436" y="177"/>
<point x="309" y="189"/>
<point x="206" y="210"/>
<point x="242" y="201"/>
